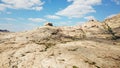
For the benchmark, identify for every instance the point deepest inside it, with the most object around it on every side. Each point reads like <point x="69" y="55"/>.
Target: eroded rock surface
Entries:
<point x="60" y="47"/>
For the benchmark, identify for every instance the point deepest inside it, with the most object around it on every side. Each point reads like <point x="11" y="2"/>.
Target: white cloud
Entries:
<point x="10" y="24"/>
<point x="37" y="8"/>
<point x="63" y="23"/>
<point x="116" y="1"/>
<point x="4" y="6"/>
<point x="80" y="22"/>
<point x="36" y="19"/>
<point x="8" y="19"/>
<point x="52" y="16"/>
<point x="90" y="18"/>
<point x="5" y="26"/>
<point x="22" y="4"/>
<point x="79" y="8"/>
<point x="110" y="16"/>
<point x="8" y="12"/>
<point x="20" y="27"/>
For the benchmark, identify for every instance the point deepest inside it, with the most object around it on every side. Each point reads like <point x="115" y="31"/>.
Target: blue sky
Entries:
<point x="21" y="15"/>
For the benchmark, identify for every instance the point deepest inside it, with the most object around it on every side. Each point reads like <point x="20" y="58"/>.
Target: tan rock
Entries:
<point x="59" y="47"/>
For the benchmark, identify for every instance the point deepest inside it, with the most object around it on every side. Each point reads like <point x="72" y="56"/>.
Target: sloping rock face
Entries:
<point x="60" y="47"/>
<point x="113" y="22"/>
<point x="94" y="29"/>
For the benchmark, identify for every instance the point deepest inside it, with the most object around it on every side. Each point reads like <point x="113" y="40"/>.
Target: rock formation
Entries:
<point x="61" y="47"/>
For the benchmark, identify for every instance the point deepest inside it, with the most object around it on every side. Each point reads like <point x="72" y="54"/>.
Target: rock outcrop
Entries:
<point x="113" y="22"/>
<point x="48" y="24"/>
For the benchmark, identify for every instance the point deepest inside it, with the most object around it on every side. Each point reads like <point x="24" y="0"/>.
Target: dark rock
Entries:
<point x="48" y="24"/>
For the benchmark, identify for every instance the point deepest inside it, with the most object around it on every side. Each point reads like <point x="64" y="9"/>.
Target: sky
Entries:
<point x="22" y="15"/>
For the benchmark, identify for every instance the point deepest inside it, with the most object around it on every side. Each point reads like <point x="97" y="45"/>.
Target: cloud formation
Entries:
<point x="90" y="18"/>
<point x="21" y="4"/>
<point x="8" y="19"/>
<point x="116" y="1"/>
<point x="79" y="8"/>
<point x="52" y="16"/>
<point x="36" y="19"/>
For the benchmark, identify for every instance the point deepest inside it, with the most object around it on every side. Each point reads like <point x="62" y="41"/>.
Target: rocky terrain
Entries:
<point x="91" y="45"/>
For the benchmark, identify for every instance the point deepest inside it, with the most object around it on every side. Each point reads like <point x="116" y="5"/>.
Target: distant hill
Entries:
<point x="4" y="30"/>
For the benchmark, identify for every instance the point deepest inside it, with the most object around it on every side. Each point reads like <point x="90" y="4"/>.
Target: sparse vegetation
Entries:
<point x="14" y="66"/>
<point x="75" y="67"/>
